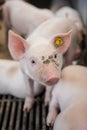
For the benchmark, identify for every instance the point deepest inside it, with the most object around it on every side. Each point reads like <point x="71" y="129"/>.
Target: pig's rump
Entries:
<point x="73" y="118"/>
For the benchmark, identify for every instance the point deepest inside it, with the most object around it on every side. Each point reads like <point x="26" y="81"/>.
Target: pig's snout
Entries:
<point x="52" y="80"/>
<point x="50" y="74"/>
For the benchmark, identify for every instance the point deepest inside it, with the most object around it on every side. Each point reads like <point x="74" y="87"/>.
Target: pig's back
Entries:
<point x="25" y="17"/>
<point x="54" y="26"/>
<point x="75" y="73"/>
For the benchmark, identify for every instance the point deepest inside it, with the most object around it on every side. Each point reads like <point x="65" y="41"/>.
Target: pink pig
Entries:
<point x="70" y="96"/>
<point x="23" y="17"/>
<point x="40" y="57"/>
<point x="72" y="14"/>
<point x="12" y="81"/>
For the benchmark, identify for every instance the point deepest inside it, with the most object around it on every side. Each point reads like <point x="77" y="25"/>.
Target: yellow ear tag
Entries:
<point x="58" y="42"/>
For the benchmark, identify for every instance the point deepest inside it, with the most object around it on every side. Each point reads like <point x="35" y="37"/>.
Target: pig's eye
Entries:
<point x="55" y="56"/>
<point x="33" y="62"/>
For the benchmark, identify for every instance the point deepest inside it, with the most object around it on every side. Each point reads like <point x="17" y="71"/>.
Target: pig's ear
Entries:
<point x="62" y="41"/>
<point x="17" y="45"/>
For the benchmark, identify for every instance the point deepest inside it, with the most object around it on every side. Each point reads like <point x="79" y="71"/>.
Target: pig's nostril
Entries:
<point x="52" y="81"/>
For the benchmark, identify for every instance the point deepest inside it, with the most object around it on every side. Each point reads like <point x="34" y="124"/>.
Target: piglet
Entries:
<point x="12" y="81"/>
<point x="23" y="17"/>
<point x="70" y="96"/>
<point x="71" y="14"/>
<point x="40" y="56"/>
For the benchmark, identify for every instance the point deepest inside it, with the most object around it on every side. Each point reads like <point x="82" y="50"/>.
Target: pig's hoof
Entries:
<point x="50" y="120"/>
<point x="27" y="107"/>
<point x="28" y="104"/>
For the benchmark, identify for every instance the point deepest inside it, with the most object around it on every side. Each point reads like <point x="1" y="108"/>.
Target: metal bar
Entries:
<point x="6" y="114"/>
<point x="24" y="121"/>
<point x="43" y="117"/>
<point x="31" y="127"/>
<point x="18" y="119"/>
<point x="38" y="115"/>
<point x="2" y="109"/>
<point x="11" y="123"/>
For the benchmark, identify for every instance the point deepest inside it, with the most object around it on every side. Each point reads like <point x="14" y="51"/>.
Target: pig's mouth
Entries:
<point x="52" y="81"/>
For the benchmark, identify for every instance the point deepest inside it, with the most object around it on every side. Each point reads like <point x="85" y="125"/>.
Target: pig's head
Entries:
<point x="40" y="58"/>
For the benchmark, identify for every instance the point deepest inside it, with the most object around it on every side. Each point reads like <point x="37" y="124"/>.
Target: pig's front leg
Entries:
<point x="53" y="111"/>
<point x="29" y="100"/>
<point x="48" y="95"/>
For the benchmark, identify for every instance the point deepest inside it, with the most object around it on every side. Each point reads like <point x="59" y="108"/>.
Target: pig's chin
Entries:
<point x="52" y="83"/>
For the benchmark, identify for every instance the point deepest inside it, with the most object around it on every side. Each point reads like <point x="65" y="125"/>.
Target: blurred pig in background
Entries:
<point x="79" y="5"/>
<point x="71" y="14"/>
<point x="23" y="17"/>
<point x="79" y="11"/>
<point x="12" y="81"/>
